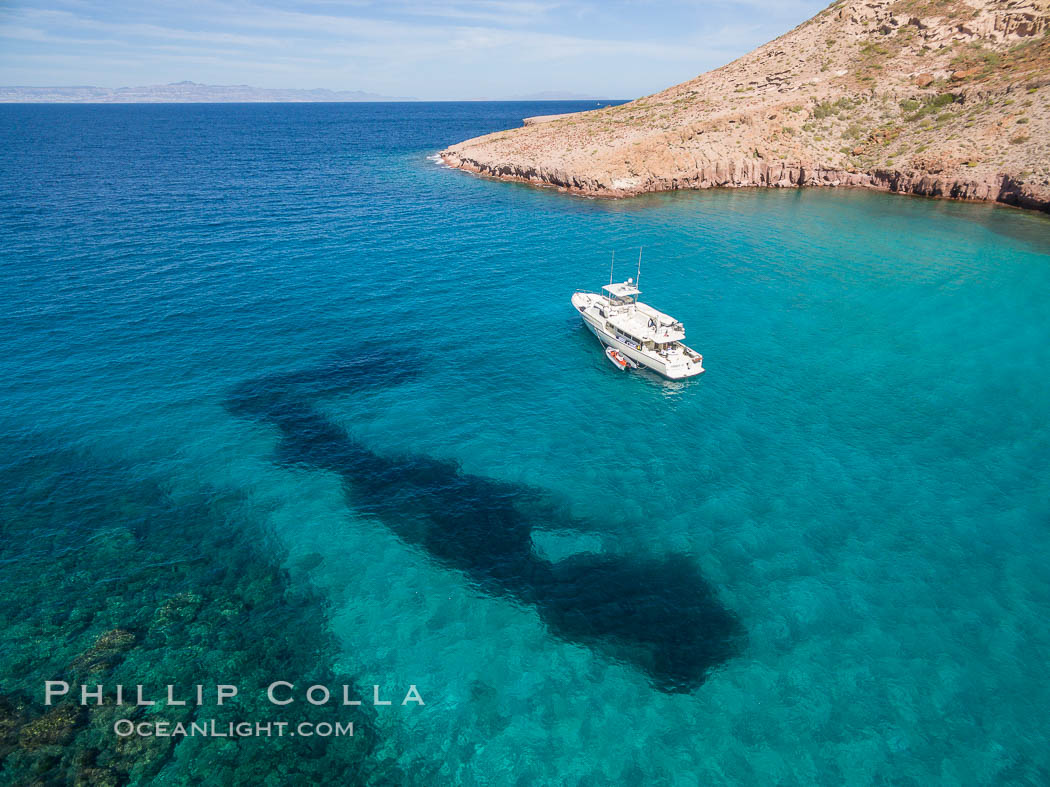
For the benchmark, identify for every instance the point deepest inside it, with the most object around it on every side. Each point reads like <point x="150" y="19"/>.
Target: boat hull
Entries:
<point x="636" y="355"/>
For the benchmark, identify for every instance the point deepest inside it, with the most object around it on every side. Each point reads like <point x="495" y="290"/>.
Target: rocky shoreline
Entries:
<point x="948" y="99"/>
<point x="1001" y="189"/>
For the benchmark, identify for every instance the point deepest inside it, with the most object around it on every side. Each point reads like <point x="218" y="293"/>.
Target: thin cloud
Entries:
<point x="460" y="49"/>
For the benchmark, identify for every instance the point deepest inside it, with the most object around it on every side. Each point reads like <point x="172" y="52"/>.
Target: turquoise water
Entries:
<point x="823" y="562"/>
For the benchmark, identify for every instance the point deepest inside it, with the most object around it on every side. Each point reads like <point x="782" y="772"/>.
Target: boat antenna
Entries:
<point x="611" y="264"/>
<point x="638" y="276"/>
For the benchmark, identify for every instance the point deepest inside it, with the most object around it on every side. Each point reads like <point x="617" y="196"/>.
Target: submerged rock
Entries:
<point x="12" y="717"/>
<point x="310" y="561"/>
<point x="88" y="774"/>
<point x="54" y="728"/>
<point x="179" y="608"/>
<point x="108" y="649"/>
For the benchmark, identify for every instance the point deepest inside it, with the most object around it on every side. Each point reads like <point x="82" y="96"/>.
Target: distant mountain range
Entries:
<point x="181" y="92"/>
<point x="196" y="93"/>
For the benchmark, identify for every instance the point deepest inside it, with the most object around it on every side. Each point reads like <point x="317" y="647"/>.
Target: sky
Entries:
<point x="458" y="49"/>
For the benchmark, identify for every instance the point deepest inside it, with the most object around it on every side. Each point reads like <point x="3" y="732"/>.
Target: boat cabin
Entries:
<point x="637" y="323"/>
<point x="622" y="292"/>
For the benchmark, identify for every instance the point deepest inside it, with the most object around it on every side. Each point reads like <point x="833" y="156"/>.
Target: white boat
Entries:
<point x="638" y="331"/>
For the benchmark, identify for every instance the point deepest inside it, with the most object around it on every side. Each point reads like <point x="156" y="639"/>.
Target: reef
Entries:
<point x="109" y="577"/>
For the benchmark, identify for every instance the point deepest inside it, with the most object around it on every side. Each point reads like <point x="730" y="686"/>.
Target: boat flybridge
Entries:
<point x="638" y="331"/>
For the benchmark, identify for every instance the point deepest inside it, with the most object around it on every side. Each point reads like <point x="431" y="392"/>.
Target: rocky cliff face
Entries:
<point x="944" y="98"/>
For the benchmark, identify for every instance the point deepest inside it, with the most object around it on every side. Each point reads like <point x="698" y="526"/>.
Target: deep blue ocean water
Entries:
<point x="823" y="562"/>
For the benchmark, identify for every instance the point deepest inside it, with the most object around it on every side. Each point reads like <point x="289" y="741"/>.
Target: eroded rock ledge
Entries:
<point x="763" y="174"/>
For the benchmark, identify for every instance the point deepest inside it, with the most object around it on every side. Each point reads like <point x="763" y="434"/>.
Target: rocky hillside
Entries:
<point x="946" y="98"/>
